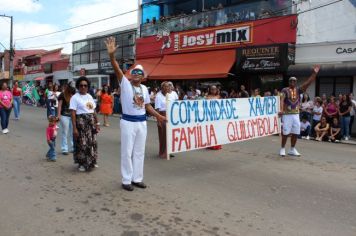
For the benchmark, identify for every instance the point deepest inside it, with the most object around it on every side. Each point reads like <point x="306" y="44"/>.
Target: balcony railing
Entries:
<point x="227" y="15"/>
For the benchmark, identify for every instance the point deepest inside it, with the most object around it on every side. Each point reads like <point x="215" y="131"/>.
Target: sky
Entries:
<point x="35" y="17"/>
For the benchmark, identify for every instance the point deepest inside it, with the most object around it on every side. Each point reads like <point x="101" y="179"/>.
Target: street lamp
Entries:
<point x="11" y="76"/>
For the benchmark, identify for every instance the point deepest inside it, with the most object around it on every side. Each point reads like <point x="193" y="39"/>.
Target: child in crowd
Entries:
<point x="335" y="131"/>
<point x="51" y="134"/>
<point x="317" y="113"/>
<point x="305" y="128"/>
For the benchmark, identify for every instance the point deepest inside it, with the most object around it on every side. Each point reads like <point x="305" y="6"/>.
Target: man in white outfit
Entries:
<point x="135" y="102"/>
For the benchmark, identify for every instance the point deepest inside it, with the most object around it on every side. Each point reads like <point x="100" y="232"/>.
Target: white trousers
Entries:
<point x="133" y="142"/>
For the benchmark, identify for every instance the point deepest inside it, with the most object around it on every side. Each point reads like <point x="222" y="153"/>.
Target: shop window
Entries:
<point x="84" y="58"/>
<point x="104" y="55"/>
<point x="94" y="57"/>
<point x="76" y="59"/>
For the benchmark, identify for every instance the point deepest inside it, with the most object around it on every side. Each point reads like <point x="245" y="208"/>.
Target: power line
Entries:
<point x="78" y="26"/>
<point x="3" y="46"/>
<point x="254" y="26"/>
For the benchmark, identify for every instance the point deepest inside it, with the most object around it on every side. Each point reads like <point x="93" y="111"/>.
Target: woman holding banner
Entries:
<point x="165" y="94"/>
<point x="213" y="93"/>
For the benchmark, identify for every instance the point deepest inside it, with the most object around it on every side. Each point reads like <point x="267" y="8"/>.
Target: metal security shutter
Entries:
<point x="326" y="86"/>
<point x="334" y="85"/>
<point x="343" y="85"/>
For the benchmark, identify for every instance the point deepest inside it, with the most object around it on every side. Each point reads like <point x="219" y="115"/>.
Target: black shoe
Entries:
<point x="127" y="187"/>
<point x="171" y="155"/>
<point x="139" y="185"/>
<point x="65" y="153"/>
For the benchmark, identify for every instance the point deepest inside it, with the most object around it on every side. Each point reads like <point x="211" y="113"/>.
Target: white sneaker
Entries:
<point x="5" y="131"/>
<point x="282" y="152"/>
<point x="307" y="138"/>
<point x="81" y="169"/>
<point x="96" y="166"/>
<point x="346" y="138"/>
<point x="293" y="152"/>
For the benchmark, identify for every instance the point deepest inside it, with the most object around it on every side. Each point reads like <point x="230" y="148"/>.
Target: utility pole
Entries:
<point x="12" y="52"/>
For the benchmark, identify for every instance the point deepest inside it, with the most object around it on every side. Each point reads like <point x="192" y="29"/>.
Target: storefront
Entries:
<point x="213" y="53"/>
<point x="338" y="67"/>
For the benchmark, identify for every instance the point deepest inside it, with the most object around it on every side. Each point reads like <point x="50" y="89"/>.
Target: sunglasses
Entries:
<point x="137" y="72"/>
<point x="83" y="85"/>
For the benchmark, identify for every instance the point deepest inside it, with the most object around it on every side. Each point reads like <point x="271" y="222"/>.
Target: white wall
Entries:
<point x="336" y="22"/>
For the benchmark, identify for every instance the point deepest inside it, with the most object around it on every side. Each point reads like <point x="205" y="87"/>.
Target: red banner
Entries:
<point x="260" y="32"/>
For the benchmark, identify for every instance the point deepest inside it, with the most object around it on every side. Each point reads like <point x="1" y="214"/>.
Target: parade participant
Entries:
<point x="48" y="93"/>
<point x="165" y="94"/>
<point x="290" y="101"/>
<point x="5" y="107"/>
<point x="135" y="102"/>
<point x="106" y="104"/>
<point x="214" y="94"/>
<point x="17" y="96"/>
<point x="64" y="116"/>
<point x="85" y="126"/>
<point x="51" y="134"/>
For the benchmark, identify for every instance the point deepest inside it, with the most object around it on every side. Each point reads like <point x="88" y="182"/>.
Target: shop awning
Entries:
<point x="39" y="78"/>
<point x="336" y="69"/>
<point x="148" y="65"/>
<point x="201" y="65"/>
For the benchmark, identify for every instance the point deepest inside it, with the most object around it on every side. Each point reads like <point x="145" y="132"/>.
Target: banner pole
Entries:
<point x="167" y="126"/>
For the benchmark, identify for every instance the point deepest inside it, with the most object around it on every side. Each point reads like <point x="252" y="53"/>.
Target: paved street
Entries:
<point x="244" y="189"/>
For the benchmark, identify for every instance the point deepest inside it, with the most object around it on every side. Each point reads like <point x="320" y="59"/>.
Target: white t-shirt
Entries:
<point x="317" y="110"/>
<point x="82" y="104"/>
<point x="133" y="104"/>
<point x="161" y="100"/>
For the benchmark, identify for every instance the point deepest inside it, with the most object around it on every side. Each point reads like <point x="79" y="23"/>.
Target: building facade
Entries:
<point x="90" y="58"/>
<point x="327" y="36"/>
<point x="232" y="41"/>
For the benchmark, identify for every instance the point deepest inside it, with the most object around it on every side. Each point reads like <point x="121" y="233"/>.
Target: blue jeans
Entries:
<point x="66" y="132"/>
<point x="51" y="154"/>
<point x="5" y="117"/>
<point x="305" y="132"/>
<point x="345" y="126"/>
<point x="17" y="102"/>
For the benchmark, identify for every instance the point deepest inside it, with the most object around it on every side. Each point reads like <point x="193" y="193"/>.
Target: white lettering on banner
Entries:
<point x="196" y="124"/>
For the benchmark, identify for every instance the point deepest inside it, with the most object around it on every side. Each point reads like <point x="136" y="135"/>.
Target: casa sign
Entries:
<point x="341" y="50"/>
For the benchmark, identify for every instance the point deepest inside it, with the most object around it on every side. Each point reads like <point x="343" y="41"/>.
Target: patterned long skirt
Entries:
<point x="85" y="146"/>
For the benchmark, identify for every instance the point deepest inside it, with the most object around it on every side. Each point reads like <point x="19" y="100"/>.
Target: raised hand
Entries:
<point x="316" y="69"/>
<point x="111" y="45"/>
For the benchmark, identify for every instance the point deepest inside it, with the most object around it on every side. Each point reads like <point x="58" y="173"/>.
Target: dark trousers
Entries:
<point x="351" y="123"/>
<point x="5" y="116"/>
<point x="305" y="132"/>
<point x="162" y="133"/>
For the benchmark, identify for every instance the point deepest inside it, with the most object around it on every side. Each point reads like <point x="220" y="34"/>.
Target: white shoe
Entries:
<point x="96" y="166"/>
<point x="303" y="137"/>
<point x="294" y="152"/>
<point x="5" y="131"/>
<point x="282" y="152"/>
<point x="81" y="169"/>
<point x="307" y="138"/>
<point x="346" y="138"/>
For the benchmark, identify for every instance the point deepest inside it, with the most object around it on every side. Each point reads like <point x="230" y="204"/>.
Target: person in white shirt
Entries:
<point x="166" y="94"/>
<point x="317" y="113"/>
<point x="85" y="126"/>
<point x="135" y="102"/>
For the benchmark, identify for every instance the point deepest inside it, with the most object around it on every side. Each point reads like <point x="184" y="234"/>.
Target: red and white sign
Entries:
<point x="260" y="32"/>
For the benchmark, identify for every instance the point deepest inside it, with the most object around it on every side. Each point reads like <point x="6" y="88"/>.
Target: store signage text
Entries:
<point x="33" y="69"/>
<point x="341" y="50"/>
<point x="212" y="38"/>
